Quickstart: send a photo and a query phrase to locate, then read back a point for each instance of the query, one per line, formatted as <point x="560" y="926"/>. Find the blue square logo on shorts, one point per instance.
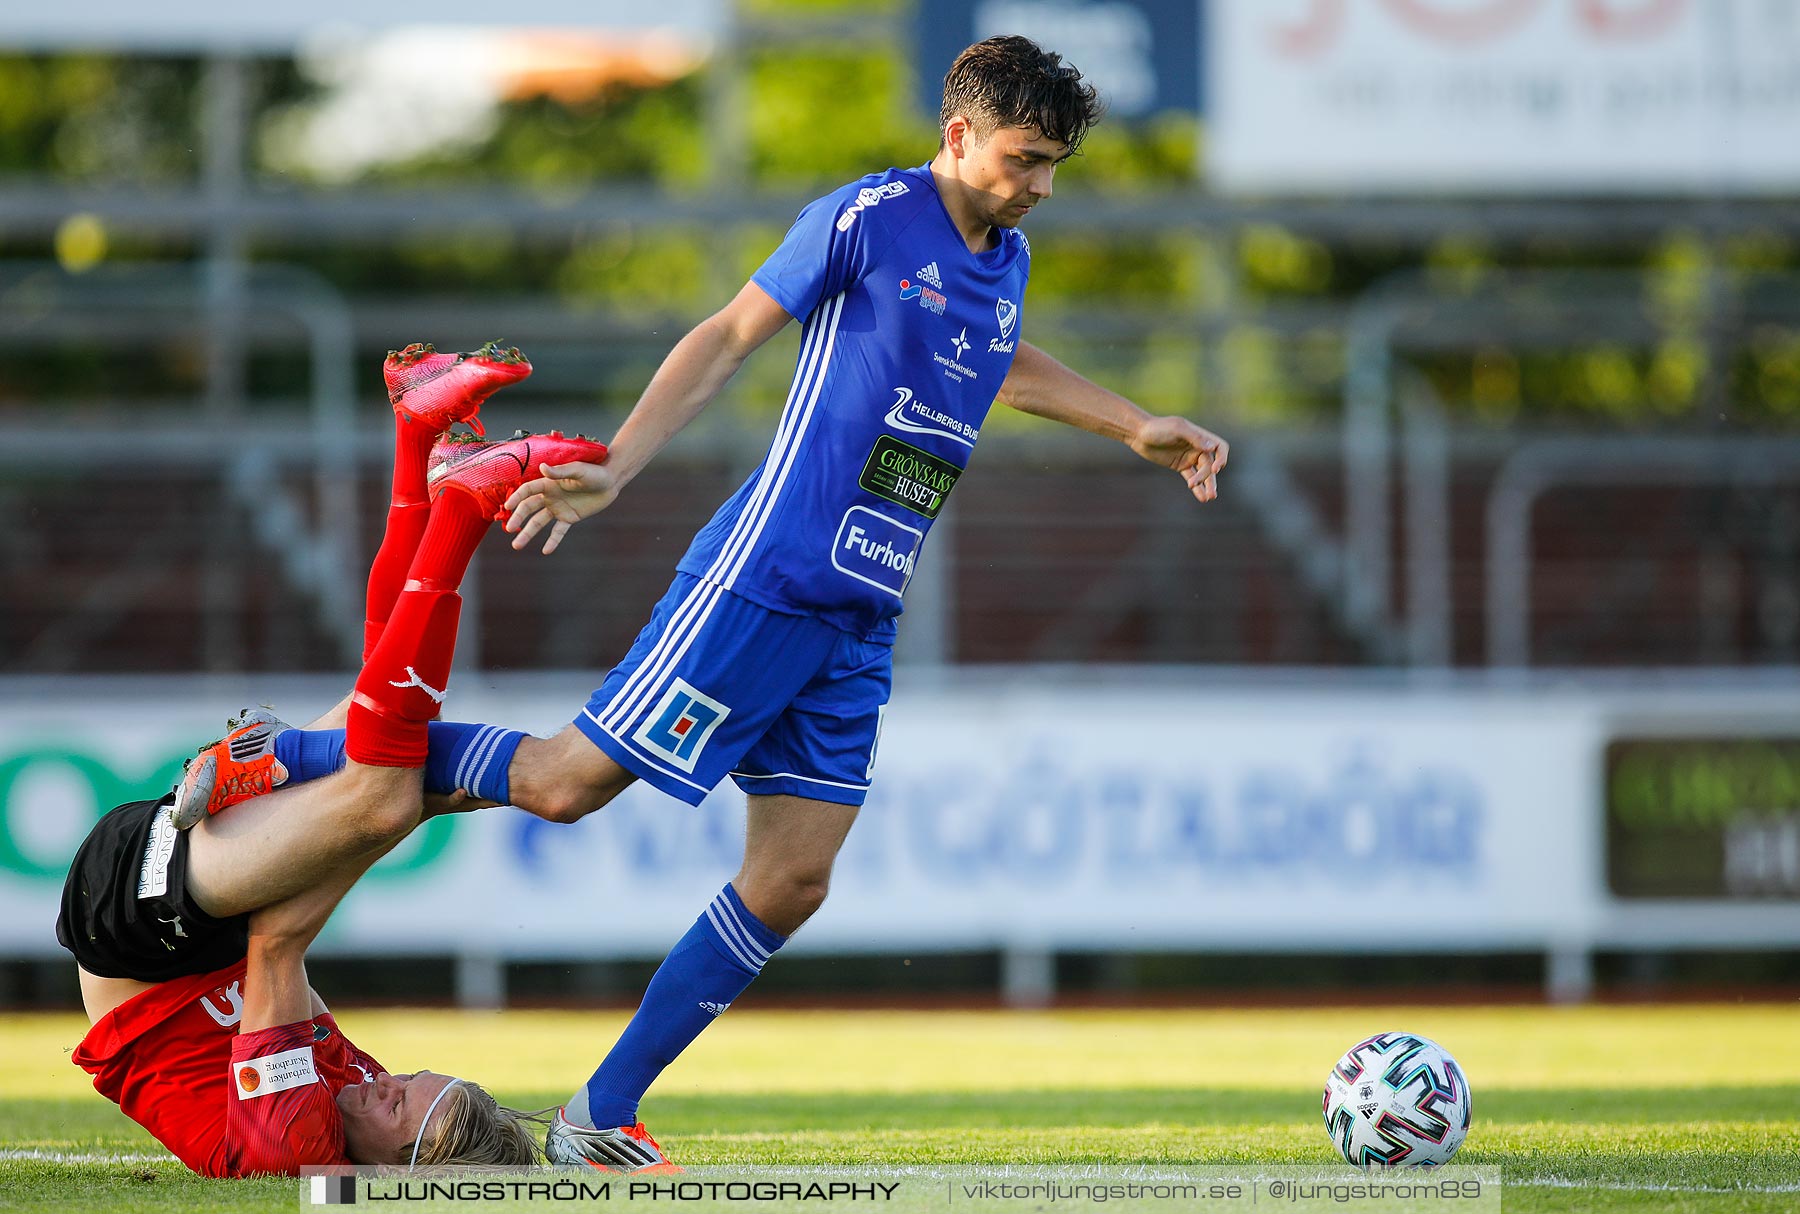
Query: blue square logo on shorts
<point x="678" y="727"/>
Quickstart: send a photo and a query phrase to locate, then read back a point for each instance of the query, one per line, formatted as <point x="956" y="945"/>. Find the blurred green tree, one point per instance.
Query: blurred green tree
<point x="1197" y="310"/>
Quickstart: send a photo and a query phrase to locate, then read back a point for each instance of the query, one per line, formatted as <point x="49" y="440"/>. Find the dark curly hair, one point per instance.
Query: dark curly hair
<point x="1012" y="81"/>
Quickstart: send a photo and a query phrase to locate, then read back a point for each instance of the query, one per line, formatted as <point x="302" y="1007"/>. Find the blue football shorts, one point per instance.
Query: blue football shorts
<point x="716" y="685"/>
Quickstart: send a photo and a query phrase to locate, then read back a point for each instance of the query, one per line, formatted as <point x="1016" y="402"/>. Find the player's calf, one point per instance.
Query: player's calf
<point x="377" y="806"/>
<point x="264" y="850"/>
<point x="789" y="849"/>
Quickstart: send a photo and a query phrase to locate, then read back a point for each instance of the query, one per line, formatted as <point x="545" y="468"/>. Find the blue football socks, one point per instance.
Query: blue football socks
<point x="708" y="968"/>
<point x="309" y="753"/>
<point x="472" y="757"/>
<point x="475" y="758"/>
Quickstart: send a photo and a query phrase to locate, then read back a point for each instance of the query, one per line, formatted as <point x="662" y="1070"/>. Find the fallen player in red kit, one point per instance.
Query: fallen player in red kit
<point x="191" y="942"/>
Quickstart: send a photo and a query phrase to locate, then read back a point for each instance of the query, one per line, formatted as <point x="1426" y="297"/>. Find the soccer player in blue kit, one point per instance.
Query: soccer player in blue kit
<point x="770" y="657"/>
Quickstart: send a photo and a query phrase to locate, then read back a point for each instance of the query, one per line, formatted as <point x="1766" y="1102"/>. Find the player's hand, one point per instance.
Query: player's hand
<point x="439" y="803"/>
<point x="562" y="497"/>
<point x="459" y="802"/>
<point x="1177" y="443"/>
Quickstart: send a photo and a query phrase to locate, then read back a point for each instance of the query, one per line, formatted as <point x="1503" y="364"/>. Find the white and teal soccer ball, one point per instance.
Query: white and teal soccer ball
<point x="1397" y="1100"/>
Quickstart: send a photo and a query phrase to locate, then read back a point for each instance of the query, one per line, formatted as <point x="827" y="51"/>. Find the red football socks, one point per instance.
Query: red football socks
<point x="408" y="510"/>
<point x="404" y="679"/>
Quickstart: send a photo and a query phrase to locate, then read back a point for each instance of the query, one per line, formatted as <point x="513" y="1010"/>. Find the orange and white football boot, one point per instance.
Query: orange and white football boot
<point x="237" y="767"/>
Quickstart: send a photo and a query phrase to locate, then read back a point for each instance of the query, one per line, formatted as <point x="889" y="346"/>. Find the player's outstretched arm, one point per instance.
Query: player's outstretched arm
<point x="276" y="991"/>
<point x="1039" y="385"/>
<point x="281" y="1117"/>
<point x="690" y="377"/>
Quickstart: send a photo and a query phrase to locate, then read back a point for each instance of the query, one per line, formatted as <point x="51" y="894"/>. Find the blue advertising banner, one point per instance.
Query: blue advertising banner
<point x="1143" y="55"/>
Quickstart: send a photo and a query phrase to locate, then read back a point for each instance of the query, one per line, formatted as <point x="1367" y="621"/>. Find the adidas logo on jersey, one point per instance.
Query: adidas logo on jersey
<point x="717" y="1009"/>
<point x="930" y="274"/>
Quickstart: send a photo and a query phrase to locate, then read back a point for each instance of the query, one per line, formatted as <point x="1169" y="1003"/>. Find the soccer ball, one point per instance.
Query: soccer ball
<point x="1397" y="1100"/>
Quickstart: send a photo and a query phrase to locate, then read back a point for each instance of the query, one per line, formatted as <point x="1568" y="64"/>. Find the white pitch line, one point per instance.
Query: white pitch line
<point x="1537" y="1182"/>
<point x="83" y="1157"/>
<point x="1616" y="1186"/>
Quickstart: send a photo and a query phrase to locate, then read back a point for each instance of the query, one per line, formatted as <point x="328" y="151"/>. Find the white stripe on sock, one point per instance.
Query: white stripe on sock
<point x="736" y="930"/>
<point x="737" y="921"/>
<point x="489" y="750"/>
<point x="725" y="936"/>
<point x="460" y="779"/>
<point x="467" y="762"/>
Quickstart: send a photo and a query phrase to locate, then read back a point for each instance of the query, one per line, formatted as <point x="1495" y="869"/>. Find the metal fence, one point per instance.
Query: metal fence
<point x="170" y="535"/>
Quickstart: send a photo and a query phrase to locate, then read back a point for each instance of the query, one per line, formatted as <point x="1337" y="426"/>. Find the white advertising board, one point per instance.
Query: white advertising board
<point x="1014" y="813"/>
<point x="1503" y="96"/>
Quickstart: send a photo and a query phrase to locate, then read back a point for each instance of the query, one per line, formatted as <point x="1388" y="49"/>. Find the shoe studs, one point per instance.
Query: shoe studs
<point x="417" y="352"/>
<point x="493" y="351"/>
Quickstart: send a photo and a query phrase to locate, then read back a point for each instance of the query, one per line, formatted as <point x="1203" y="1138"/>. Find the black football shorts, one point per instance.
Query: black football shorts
<point x="126" y="912"/>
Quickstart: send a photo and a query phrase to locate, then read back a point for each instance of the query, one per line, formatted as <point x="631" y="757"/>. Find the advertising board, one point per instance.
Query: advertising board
<point x="1503" y="96"/>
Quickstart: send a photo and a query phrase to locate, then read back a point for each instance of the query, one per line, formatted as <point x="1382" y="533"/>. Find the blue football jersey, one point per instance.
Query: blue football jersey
<point x="907" y="337"/>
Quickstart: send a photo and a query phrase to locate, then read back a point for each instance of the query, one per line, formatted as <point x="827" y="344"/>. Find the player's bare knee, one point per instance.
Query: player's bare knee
<point x="567" y="796"/>
<point x="565" y="805"/>
<point x="783" y="898"/>
<point x="564" y="778"/>
<point x="806" y="894"/>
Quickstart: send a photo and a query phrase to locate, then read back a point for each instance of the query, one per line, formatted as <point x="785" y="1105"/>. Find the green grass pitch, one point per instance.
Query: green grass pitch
<point x="1684" y="1108"/>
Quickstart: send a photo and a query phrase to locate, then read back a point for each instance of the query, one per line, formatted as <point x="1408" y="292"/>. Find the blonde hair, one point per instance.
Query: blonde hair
<point x="477" y="1130"/>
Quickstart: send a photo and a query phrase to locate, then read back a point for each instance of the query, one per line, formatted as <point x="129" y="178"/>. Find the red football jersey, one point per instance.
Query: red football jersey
<point x="225" y="1104"/>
